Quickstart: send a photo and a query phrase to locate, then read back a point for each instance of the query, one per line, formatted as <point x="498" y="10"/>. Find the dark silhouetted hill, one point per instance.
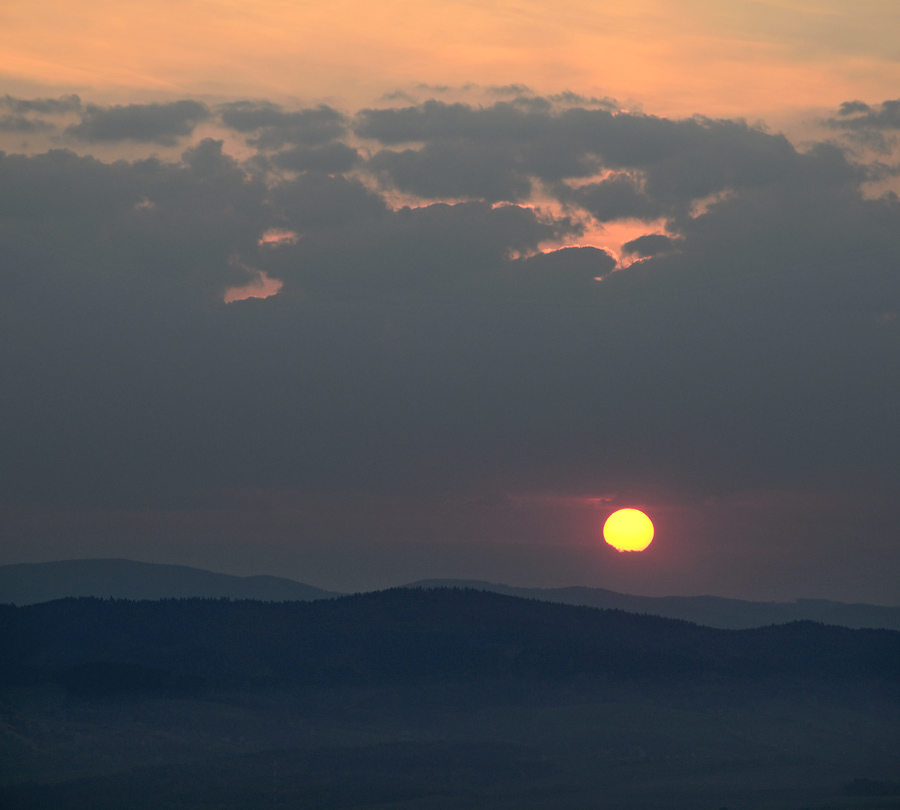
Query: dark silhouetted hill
<point x="712" y="611"/>
<point x="436" y="698"/>
<point x="404" y="636"/>
<point x="29" y="583"/>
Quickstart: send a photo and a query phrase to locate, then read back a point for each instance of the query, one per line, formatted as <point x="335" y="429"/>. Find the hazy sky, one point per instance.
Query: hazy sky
<point x="366" y="293"/>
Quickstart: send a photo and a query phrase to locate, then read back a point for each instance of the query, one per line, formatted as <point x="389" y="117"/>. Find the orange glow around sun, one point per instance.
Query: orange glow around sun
<point x="628" y="530"/>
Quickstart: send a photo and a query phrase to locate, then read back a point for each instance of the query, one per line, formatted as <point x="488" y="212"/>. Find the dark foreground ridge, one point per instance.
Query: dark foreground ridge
<point x="436" y="698"/>
<point x="404" y="635"/>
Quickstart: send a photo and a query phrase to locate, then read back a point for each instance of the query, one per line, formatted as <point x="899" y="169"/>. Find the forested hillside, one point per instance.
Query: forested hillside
<point x="404" y="635"/>
<point x="439" y="698"/>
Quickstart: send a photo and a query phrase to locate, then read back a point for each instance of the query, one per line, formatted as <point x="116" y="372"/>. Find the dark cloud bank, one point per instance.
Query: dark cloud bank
<point x="416" y="352"/>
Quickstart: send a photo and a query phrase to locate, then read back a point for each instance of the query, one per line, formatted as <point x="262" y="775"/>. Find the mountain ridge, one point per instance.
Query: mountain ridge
<point x="711" y="611"/>
<point x="404" y="636"/>
<point x="32" y="583"/>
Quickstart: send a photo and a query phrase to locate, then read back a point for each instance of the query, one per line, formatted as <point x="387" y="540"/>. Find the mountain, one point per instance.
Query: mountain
<point x="711" y="611"/>
<point x="402" y="636"/>
<point x="30" y="583"/>
<point x="436" y="698"/>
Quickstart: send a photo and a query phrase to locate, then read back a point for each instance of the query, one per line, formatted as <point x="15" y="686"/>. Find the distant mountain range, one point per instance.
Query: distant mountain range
<point x="712" y="611"/>
<point x="31" y="583"/>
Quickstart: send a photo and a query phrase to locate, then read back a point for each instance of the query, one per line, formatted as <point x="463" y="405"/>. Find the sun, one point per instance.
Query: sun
<point x="628" y="530"/>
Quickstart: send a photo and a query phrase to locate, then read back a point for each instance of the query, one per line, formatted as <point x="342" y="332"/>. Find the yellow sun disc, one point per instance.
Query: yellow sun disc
<point x="628" y="530"/>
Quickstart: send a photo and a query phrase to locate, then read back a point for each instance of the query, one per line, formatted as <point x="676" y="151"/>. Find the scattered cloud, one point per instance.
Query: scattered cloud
<point x="161" y="124"/>
<point x="26" y="116"/>
<point x="272" y="127"/>
<point x="618" y="196"/>
<point x="510" y="90"/>
<point x="496" y="152"/>
<point x="856" y="115"/>
<point x="46" y="106"/>
<point x="652" y="244"/>
<point x="454" y="169"/>
<point x="24" y="125"/>
<point x="332" y="158"/>
<point x="261" y="286"/>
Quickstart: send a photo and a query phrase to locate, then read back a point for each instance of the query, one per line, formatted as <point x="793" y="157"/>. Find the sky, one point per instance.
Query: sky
<point x="361" y="294"/>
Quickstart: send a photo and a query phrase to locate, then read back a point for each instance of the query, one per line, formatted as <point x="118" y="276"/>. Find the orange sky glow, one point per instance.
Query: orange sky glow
<point x="756" y="58"/>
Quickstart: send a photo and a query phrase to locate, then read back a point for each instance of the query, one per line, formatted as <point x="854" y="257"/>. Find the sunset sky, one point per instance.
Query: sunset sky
<point x="367" y="293"/>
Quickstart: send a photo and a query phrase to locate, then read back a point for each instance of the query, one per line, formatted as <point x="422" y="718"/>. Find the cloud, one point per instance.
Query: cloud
<point x="143" y="225"/>
<point x="273" y="127"/>
<point x="316" y="202"/>
<point x="853" y="107"/>
<point x="444" y="345"/>
<point x="438" y="120"/>
<point x="496" y="152"/>
<point x="453" y="170"/>
<point x="19" y="123"/>
<point x="22" y="120"/>
<point x="332" y="158"/>
<point x="560" y="273"/>
<point x="510" y="90"/>
<point x="47" y="106"/>
<point x="398" y="95"/>
<point x="162" y="124"/>
<point x="856" y="115"/>
<point x="569" y="98"/>
<point x="653" y="244"/>
<point x="619" y="196"/>
<point x="352" y="246"/>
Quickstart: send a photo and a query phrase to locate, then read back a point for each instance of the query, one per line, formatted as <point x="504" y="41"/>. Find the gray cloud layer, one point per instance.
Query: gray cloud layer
<point x="438" y="346"/>
<point x="859" y="115"/>
<point x="496" y="153"/>
<point x="24" y="125"/>
<point x="46" y="106"/>
<point x="144" y="123"/>
<point x="25" y="116"/>
<point x="272" y="128"/>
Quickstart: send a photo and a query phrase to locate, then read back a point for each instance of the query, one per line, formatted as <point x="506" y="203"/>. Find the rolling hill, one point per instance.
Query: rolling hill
<point x="711" y="611"/>
<point x="430" y="698"/>
<point x="30" y="583"/>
